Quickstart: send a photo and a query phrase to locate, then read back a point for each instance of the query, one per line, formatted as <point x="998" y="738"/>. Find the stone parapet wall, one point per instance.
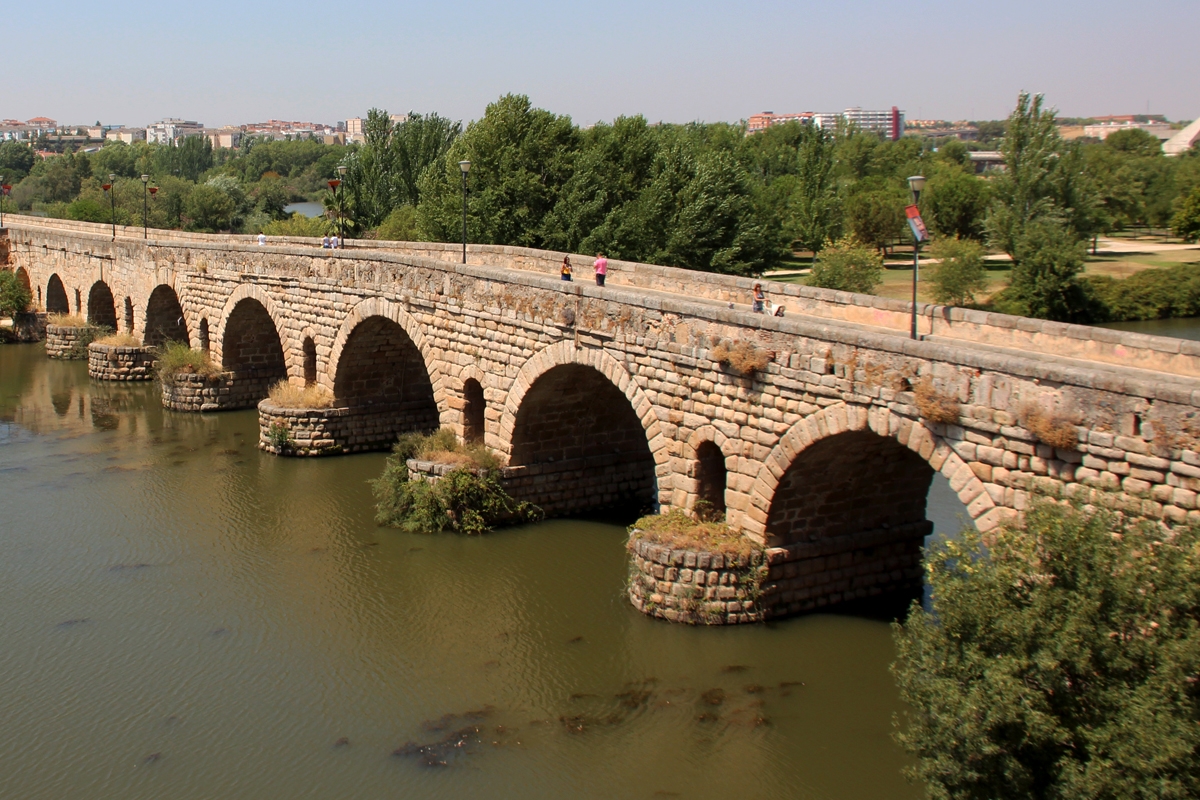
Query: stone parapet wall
<point x="695" y="586"/>
<point x="110" y="363"/>
<point x="68" y="342"/>
<point x="331" y="431"/>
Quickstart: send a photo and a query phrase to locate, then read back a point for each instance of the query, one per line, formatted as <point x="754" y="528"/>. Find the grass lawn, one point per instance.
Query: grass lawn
<point x="1122" y="265"/>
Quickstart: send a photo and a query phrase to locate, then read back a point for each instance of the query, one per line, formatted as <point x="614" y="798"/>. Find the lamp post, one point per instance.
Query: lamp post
<point x="915" y="184"/>
<point x="3" y="193"/>
<point x="465" y="166"/>
<point x="145" y="204"/>
<point x="111" y="188"/>
<point x="333" y="187"/>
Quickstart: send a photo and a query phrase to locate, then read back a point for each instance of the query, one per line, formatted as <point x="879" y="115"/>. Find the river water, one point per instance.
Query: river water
<point x="183" y="616"/>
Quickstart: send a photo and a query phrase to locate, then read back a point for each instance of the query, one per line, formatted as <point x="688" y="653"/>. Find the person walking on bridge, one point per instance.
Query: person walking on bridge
<point x="566" y="268"/>
<point x="601" y="267"/>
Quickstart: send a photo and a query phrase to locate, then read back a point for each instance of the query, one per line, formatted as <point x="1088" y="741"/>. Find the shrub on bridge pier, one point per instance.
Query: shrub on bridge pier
<point x="179" y="359"/>
<point x="469" y="497"/>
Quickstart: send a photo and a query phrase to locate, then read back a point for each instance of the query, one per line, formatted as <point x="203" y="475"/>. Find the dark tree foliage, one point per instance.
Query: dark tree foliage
<point x="1059" y="659"/>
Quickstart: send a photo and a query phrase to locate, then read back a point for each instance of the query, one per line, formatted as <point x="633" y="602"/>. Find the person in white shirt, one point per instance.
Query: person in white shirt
<point x="262" y="239"/>
<point x="335" y="242"/>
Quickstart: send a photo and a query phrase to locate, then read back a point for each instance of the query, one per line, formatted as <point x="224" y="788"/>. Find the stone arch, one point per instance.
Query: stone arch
<point x="250" y="342"/>
<point x="382" y="379"/>
<point x="380" y="307"/>
<point x="128" y="315"/>
<point x="164" y="320"/>
<point x="577" y="416"/>
<point x="309" y="353"/>
<point x="258" y="294"/>
<point x="916" y="436"/>
<point x="102" y="306"/>
<point x="78" y="302"/>
<point x="23" y="279"/>
<point x="474" y="411"/>
<point x="56" y="296"/>
<point x="708" y="456"/>
<point x="841" y="499"/>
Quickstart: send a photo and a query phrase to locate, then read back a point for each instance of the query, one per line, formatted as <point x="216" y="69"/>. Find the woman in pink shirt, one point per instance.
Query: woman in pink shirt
<point x="601" y="267"/>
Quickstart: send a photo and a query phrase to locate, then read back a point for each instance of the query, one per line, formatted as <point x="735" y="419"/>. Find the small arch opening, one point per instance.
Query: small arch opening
<point x="56" y="297"/>
<point x="102" y="307"/>
<point x="78" y="302"/>
<point x="204" y="334"/>
<point x="474" y="408"/>
<point x="310" y="361"/>
<point x="128" y="315"/>
<point x="711" y="480"/>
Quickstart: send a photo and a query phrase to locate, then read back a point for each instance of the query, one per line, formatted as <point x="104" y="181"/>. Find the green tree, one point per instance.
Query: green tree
<point x="1134" y="142"/>
<point x="116" y="158"/>
<point x="1186" y="222"/>
<point x="208" y="209"/>
<point x="400" y="226"/>
<point x="813" y="213"/>
<point x="520" y="156"/>
<point x="16" y="161"/>
<point x="298" y="225"/>
<point x="848" y="266"/>
<point x="1044" y="178"/>
<point x="14" y="297"/>
<point x="875" y="214"/>
<point x="959" y="274"/>
<point x="1058" y="660"/>
<point x="955" y="202"/>
<point x="1048" y="259"/>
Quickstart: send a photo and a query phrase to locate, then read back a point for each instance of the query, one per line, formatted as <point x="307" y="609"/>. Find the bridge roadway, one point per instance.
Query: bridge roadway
<point x="600" y="396"/>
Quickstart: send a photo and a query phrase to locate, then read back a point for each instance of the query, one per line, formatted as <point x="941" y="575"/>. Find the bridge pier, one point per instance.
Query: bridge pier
<point x="333" y="431"/>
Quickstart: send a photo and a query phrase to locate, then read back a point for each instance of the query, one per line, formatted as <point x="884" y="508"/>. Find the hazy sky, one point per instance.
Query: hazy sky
<point x="223" y="63"/>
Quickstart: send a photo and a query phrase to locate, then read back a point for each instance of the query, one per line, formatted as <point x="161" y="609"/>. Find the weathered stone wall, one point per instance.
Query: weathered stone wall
<point x="1131" y="403"/>
<point x="223" y="392"/>
<point x="110" y="363"/>
<point x="695" y="586"/>
<point x="68" y="342"/>
<point x="332" y="431"/>
<point x="29" y="326"/>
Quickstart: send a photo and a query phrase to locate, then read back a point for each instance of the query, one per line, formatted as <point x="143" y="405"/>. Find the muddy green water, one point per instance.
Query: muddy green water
<point x="182" y="616"/>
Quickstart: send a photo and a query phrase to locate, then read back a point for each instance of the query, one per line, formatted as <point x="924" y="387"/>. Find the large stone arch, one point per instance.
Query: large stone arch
<point x="57" y="301"/>
<point x="250" y="291"/>
<point x="165" y="319"/>
<point x="840" y="502"/>
<point x="102" y="306"/>
<point x="545" y="393"/>
<point x="23" y="279"/>
<point x="915" y="435"/>
<point x="388" y="309"/>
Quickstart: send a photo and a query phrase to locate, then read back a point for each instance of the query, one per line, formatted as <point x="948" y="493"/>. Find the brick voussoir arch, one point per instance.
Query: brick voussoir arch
<point x="843" y="417"/>
<point x="292" y="356"/>
<point x="564" y="353"/>
<point x="382" y="307"/>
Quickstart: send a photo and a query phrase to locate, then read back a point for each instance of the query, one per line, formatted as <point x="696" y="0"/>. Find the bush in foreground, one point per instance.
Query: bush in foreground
<point x="1059" y="660"/>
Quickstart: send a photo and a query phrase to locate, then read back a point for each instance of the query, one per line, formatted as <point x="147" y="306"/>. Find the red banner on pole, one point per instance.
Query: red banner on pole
<point x="916" y="223"/>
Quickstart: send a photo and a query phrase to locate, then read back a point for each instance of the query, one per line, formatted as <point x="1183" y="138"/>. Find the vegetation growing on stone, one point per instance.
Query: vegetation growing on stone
<point x="1058" y="659"/>
<point x="676" y="529"/>
<point x="14" y="297"/>
<point x="119" y="340"/>
<point x="66" y="320"/>
<point x="179" y="359"/>
<point x="468" y="499"/>
<point x="934" y="404"/>
<point x="1049" y="428"/>
<point x="744" y="357"/>
<point x="285" y="394"/>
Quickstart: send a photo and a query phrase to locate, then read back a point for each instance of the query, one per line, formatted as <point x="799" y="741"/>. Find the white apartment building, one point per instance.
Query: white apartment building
<point x="126" y="135"/>
<point x="169" y="131"/>
<point x="889" y="123"/>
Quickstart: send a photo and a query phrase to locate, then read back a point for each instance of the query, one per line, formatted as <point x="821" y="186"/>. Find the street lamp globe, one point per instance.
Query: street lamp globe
<point x="145" y="179"/>
<point x="112" y="177"/>
<point x="915" y="184"/>
<point x="341" y="170"/>
<point x="465" y="166"/>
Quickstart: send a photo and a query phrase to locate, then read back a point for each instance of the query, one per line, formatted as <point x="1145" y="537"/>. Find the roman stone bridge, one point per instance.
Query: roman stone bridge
<point x="818" y="432"/>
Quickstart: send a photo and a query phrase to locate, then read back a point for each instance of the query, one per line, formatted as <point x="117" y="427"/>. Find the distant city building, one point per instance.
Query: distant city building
<point x="354" y="126"/>
<point x="1102" y="130"/>
<point x="889" y="124"/>
<point x="126" y="135"/>
<point x="760" y="122"/>
<point x="227" y="137"/>
<point x="171" y="130"/>
<point x="15" y="129"/>
<point x="42" y="123"/>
